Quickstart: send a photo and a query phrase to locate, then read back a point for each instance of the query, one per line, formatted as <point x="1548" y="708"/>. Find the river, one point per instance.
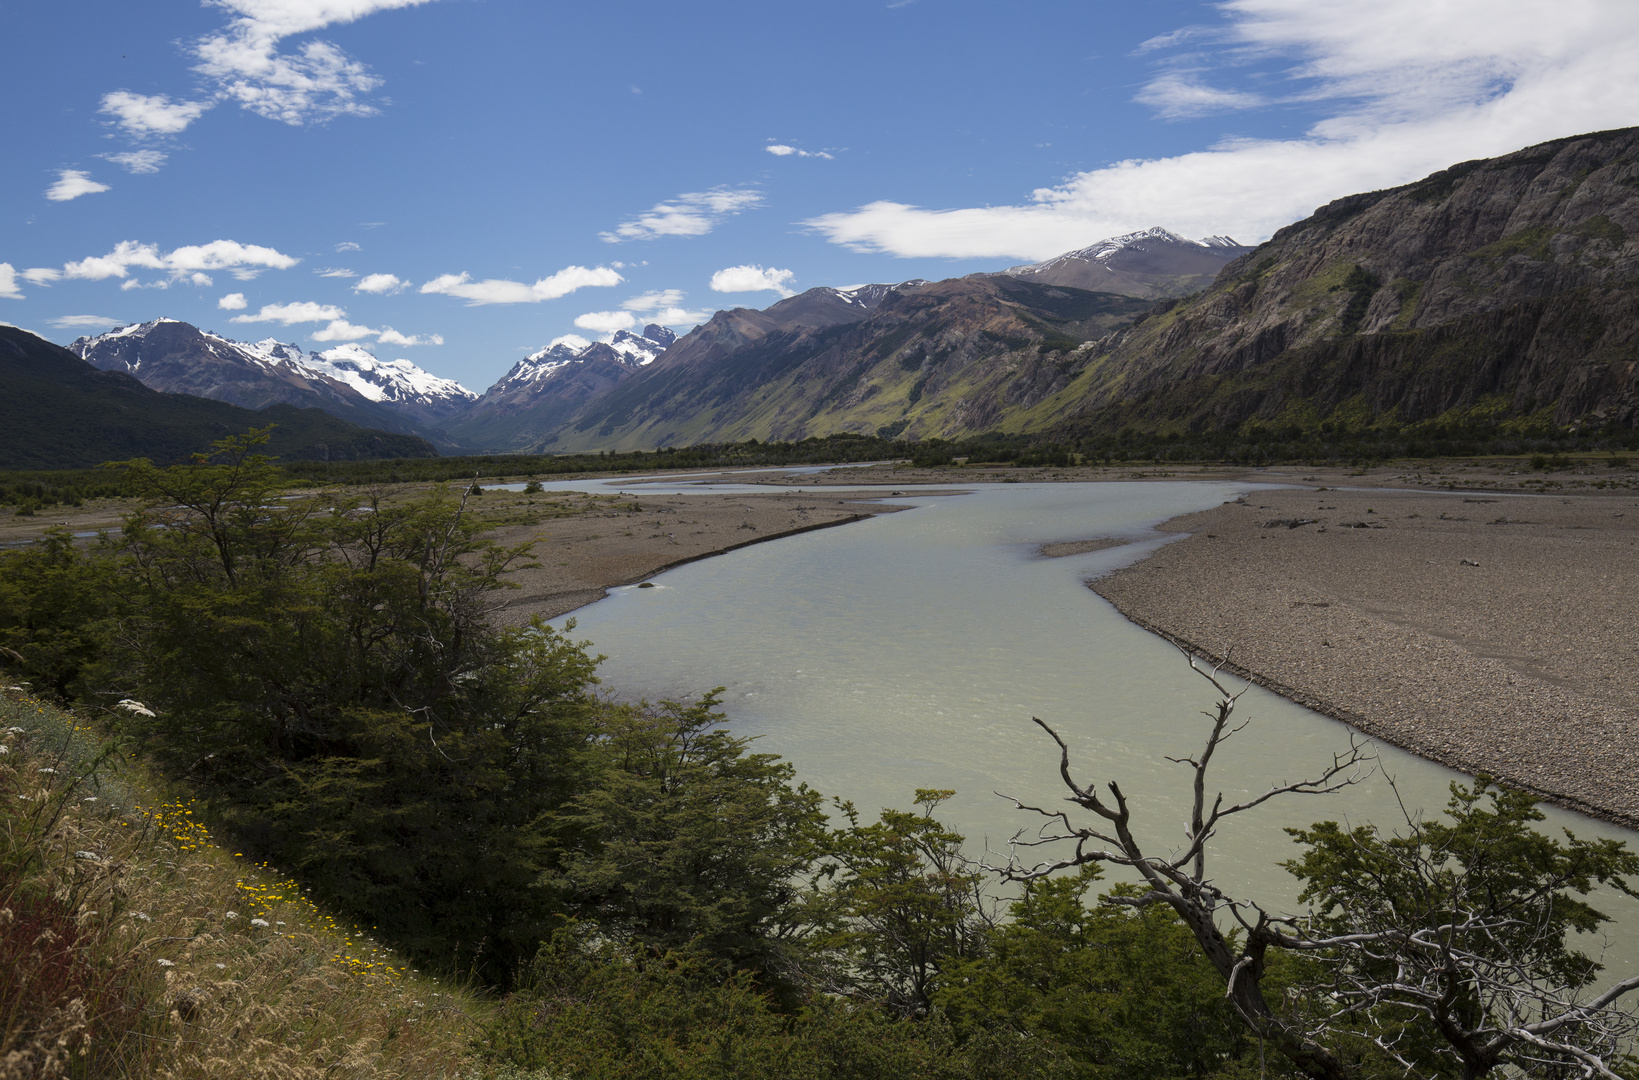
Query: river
<point x="911" y="650"/>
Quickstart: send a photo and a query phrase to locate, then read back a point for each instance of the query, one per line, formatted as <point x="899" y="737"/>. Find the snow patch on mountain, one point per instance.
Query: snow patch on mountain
<point x="1104" y="250"/>
<point x="386" y="380"/>
<point x="634" y="350"/>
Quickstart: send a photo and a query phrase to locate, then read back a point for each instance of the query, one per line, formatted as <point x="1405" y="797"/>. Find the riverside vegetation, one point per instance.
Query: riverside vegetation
<point x="627" y="890"/>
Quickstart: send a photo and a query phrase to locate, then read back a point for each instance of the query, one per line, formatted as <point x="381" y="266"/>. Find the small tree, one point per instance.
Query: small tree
<point x="1444" y="949"/>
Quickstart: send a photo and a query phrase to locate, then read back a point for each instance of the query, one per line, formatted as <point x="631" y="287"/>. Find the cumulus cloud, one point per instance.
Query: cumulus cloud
<point x="8" y="282"/>
<point x="76" y="322"/>
<point x="782" y="150"/>
<point x="388" y="336"/>
<point x="336" y="327"/>
<point x="234" y="301"/>
<point x="750" y="278"/>
<point x="1407" y="88"/>
<point x="381" y="284"/>
<point x="315" y="81"/>
<point x="606" y="322"/>
<point x="71" y="184"/>
<point x="663" y="306"/>
<point x="189" y="263"/>
<point x="694" y="213"/>
<point x="341" y="330"/>
<point x="142" y="115"/>
<point x="138" y="161"/>
<point x="501" y="291"/>
<point x="290" y="314"/>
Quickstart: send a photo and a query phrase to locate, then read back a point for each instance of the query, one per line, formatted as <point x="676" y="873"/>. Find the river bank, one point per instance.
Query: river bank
<point x="1492" y="634"/>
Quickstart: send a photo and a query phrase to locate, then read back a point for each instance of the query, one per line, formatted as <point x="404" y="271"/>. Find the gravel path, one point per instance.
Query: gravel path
<point x="1494" y="634"/>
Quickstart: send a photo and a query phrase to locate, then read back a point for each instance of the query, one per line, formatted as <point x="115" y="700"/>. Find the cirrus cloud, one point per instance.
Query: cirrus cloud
<point x="75" y="322"/>
<point x="694" y="213"/>
<point x="782" y="150"/>
<point x="501" y="291"/>
<point x="1477" y="78"/>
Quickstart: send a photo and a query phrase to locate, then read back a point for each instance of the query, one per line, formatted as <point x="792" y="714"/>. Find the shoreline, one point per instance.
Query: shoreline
<point x="1437" y="623"/>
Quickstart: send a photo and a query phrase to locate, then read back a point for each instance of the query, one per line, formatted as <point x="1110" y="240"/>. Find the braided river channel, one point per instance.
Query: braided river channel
<point x="911" y="650"/>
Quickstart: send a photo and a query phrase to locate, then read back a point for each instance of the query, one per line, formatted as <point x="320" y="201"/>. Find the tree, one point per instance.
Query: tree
<point x="1444" y="948"/>
<point x="685" y="840"/>
<point x="904" y="904"/>
<point x="1123" y="993"/>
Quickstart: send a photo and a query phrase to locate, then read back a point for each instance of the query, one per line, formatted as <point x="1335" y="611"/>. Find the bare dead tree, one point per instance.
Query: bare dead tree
<point x="1443" y="947"/>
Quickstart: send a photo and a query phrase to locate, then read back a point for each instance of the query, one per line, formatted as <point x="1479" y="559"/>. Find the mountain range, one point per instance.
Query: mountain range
<point x="1499" y="291"/>
<point x="59" y="412"/>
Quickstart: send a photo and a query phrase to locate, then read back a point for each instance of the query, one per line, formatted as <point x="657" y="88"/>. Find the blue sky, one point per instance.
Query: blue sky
<point x="461" y="181"/>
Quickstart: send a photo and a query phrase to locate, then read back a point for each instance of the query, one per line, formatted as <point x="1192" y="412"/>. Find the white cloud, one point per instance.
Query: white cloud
<point x="574" y="341"/>
<point x="71" y="184"/>
<point x="500" y="291"/>
<point x="380" y="284"/>
<point x="606" y="322"/>
<point x="388" y="336"/>
<point x="653" y="301"/>
<point x="243" y="261"/>
<point x="782" y="150"/>
<point x="1409" y="87"/>
<point x="676" y="316"/>
<point x="336" y="272"/>
<point x="751" y="279"/>
<point x="8" y="282"/>
<point x="75" y="322"/>
<point x="138" y="161"/>
<point x="289" y="314"/>
<point x="314" y="82"/>
<point x="141" y="115"/>
<point x="694" y="213"/>
<point x="339" y="330"/>
<point x="234" y="301"/>
<point x="1182" y="94"/>
<point x="346" y="245"/>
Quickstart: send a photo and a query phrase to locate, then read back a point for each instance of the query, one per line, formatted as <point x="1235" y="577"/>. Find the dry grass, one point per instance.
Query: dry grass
<point x="133" y="946"/>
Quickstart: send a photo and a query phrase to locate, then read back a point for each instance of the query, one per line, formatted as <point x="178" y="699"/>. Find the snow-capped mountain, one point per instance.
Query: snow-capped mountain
<point x="1153" y="262"/>
<point x="547" y="386"/>
<point x="397" y="383"/>
<point x="349" y="381"/>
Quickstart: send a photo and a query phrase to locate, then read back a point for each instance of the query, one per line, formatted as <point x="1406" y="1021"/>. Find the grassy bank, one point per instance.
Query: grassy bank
<point x="132" y="945"/>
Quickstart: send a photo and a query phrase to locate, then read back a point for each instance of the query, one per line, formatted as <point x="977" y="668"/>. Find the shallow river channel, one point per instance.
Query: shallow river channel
<point x="911" y="650"/>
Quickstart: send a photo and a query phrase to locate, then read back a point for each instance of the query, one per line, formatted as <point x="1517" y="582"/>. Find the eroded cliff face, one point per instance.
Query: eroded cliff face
<point x="1499" y="289"/>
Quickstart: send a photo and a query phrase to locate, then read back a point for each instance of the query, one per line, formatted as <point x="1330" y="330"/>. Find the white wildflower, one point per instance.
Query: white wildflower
<point x="258" y="922"/>
<point x="230" y="915"/>
<point x="5" y="749"/>
<point x="89" y="798"/>
<point x="167" y="963"/>
<point x="221" y="967"/>
<point x="49" y="771"/>
<point x="92" y="855"/>
<point x="134" y="706"/>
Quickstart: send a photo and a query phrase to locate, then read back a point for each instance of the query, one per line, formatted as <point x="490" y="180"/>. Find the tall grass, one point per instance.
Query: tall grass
<point x="132" y="945"/>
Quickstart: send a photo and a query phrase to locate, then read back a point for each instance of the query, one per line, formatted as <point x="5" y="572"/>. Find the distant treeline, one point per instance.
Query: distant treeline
<point x="1541" y="448"/>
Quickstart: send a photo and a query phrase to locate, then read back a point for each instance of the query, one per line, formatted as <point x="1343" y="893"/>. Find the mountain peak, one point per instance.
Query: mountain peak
<point x="1154" y="262"/>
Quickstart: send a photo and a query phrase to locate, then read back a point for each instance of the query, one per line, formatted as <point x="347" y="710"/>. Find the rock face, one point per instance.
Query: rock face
<point x="1153" y="264"/>
<point x="348" y="382"/>
<point x="1501" y="290"/>
<point x="944" y="359"/>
